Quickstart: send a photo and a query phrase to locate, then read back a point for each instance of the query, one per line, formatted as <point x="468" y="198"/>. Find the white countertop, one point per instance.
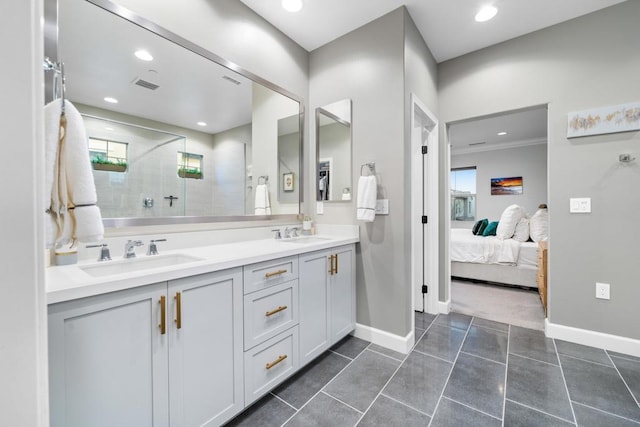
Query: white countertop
<point x="65" y="283"/>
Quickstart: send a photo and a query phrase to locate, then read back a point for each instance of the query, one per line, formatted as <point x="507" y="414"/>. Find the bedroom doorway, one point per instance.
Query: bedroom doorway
<point x="424" y="207"/>
<point x="508" y="147"/>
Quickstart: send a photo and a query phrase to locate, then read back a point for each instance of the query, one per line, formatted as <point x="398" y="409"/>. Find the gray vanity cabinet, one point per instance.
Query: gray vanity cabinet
<point x="168" y="354"/>
<point x="327" y="299"/>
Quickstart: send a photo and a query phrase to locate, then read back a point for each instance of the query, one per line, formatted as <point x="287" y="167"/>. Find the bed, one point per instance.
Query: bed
<point x="490" y="259"/>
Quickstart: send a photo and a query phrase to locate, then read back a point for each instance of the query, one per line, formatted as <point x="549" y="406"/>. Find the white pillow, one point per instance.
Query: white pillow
<point x="522" y="230"/>
<point x="508" y="221"/>
<point x="539" y="225"/>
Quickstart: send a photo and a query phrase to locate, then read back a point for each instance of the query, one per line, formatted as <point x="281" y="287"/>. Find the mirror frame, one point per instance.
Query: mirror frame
<point x="321" y="110"/>
<point x="124" y="13"/>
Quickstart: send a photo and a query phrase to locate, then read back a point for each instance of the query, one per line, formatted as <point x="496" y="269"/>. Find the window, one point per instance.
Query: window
<point x="189" y="165"/>
<point x="108" y="155"/>
<point x="463" y="194"/>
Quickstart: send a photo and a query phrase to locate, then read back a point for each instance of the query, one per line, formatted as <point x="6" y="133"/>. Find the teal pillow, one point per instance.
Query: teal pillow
<point x="491" y="229"/>
<point x="479" y="227"/>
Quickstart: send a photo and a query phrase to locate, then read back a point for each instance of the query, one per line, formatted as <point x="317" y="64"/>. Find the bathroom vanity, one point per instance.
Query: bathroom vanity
<point x="196" y="342"/>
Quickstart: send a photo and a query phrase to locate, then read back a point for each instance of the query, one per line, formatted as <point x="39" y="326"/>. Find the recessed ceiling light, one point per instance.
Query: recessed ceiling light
<point x="292" y="5"/>
<point x="143" y="55"/>
<point x="501" y="133"/>
<point x="486" y="13"/>
<point x="201" y="124"/>
<point x="111" y="100"/>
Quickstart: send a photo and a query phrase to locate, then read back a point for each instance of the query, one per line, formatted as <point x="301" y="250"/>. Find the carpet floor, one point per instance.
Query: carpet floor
<point x="498" y="303"/>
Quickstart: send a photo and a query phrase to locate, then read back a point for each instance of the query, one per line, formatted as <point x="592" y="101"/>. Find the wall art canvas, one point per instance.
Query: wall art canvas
<point x="598" y="121"/>
<point x="506" y="186"/>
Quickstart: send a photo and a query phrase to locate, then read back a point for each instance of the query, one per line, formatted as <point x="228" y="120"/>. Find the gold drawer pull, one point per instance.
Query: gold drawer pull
<point x="275" y="362"/>
<point x="274" y="273"/>
<point x="277" y="310"/>
<point x="163" y="315"/>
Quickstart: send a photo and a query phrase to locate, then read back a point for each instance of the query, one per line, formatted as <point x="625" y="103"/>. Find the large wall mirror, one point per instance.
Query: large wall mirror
<point x="174" y="134"/>
<point x="333" y="152"/>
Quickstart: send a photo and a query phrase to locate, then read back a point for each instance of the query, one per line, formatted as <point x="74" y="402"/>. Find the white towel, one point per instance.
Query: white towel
<point x="69" y="179"/>
<point x="367" y="194"/>
<point x="262" y="205"/>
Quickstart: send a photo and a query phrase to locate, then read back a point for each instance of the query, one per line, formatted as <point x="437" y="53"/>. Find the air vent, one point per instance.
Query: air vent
<point x="146" y="84"/>
<point x="477" y="143"/>
<point x="232" y="80"/>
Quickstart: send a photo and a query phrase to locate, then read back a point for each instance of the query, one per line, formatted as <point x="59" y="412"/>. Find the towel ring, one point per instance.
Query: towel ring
<point x="371" y="166"/>
<point x="263" y="179"/>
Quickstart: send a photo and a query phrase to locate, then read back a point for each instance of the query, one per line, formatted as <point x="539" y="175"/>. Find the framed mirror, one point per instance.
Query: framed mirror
<point x="333" y="152"/>
<point x="177" y="134"/>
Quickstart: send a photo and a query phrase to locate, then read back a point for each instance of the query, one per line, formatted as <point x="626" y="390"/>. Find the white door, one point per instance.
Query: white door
<point x="424" y="203"/>
<point x="341" y="295"/>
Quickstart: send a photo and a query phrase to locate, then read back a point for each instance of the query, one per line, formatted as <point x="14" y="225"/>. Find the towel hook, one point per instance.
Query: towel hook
<point x="59" y="79"/>
<point x="371" y="166"/>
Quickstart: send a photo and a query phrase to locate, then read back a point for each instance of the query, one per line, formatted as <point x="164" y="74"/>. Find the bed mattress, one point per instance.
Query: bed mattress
<point x="465" y="247"/>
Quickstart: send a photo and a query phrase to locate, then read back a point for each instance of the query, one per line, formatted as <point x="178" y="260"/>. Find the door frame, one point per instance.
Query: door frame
<point x="424" y="201"/>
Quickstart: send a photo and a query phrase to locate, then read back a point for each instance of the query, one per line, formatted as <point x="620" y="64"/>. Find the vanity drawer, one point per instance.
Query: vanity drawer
<point x="269" y="273"/>
<point x="269" y="312"/>
<point x="270" y="363"/>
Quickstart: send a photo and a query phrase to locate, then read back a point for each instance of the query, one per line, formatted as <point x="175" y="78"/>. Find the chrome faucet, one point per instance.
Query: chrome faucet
<point x="290" y="232"/>
<point x="104" y="251"/>
<point x="130" y="248"/>
<point x="153" y="250"/>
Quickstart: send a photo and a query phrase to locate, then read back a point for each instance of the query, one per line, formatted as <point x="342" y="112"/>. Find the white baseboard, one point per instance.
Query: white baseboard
<point x="385" y="339"/>
<point x="592" y="338"/>
<point x="444" y="307"/>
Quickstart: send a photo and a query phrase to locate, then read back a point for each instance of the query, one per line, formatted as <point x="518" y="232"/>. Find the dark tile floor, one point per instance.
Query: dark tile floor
<point x="463" y="371"/>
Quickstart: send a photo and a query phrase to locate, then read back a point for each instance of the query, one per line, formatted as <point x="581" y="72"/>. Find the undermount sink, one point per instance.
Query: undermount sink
<point x="305" y="239"/>
<point x="108" y="268"/>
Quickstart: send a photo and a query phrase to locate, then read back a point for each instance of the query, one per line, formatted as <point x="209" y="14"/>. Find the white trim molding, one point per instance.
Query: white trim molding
<point x="592" y="338"/>
<point x="385" y="339"/>
<point x="444" y="307"/>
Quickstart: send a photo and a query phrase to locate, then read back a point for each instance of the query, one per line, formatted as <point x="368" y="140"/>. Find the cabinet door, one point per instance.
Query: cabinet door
<point x="108" y="360"/>
<point x="205" y="349"/>
<point x="342" y="317"/>
<point x="313" y="309"/>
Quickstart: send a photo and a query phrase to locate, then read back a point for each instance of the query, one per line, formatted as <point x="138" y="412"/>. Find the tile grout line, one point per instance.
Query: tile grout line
<point x="338" y="400"/>
<point x="383" y="387"/>
<point x="453" y="365"/>
<point x="622" y="378"/>
<point x="585" y="360"/>
<point x="404" y="404"/>
<point x="490" y="328"/>
<point x="472" y="408"/>
<point x="623" y="356"/>
<point x="538" y="410"/>
<point x="385" y="355"/>
<point x="340" y="354"/>
<point x="536" y="360"/>
<point x="283" y="401"/>
<point x="330" y="381"/>
<point x="431" y="355"/>
<point x="506" y="373"/>
<point x="564" y="380"/>
<point x="483" y="358"/>
<point x="607" y="412"/>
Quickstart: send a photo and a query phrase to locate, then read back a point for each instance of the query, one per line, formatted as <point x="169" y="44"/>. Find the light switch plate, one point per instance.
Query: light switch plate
<point x="580" y="205"/>
<point x="382" y="207"/>
<point x="320" y="208"/>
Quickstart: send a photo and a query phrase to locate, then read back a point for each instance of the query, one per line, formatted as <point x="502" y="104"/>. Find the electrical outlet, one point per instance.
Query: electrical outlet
<point x="602" y="291"/>
<point x="320" y="208"/>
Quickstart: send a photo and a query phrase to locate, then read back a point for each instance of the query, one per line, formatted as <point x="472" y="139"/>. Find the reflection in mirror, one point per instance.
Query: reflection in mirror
<point x="172" y="132"/>
<point x="333" y="136"/>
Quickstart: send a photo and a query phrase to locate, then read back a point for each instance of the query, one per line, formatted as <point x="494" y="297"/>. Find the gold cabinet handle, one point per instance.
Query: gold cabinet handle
<point x="336" y="269"/>
<point x="163" y="315"/>
<point x="275" y="362"/>
<point x="178" y="298"/>
<point x="331" y="265"/>
<point x="277" y="310"/>
<point x="274" y="273"/>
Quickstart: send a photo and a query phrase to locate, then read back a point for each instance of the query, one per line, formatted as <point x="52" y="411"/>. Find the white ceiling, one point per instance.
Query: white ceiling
<point x="523" y="127"/>
<point x="447" y="26"/>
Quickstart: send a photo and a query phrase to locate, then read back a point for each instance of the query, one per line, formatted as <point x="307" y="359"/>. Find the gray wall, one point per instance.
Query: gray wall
<point x="529" y="162"/>
<point x="368" y="66"/>
<point x="588" y="62"/>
